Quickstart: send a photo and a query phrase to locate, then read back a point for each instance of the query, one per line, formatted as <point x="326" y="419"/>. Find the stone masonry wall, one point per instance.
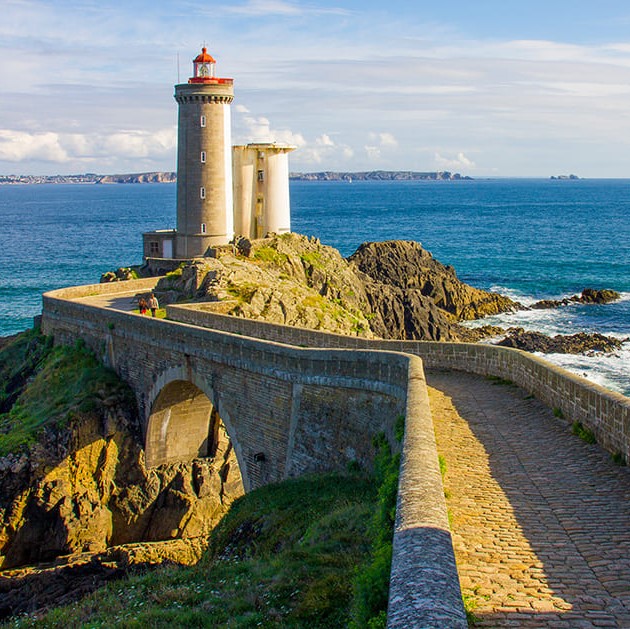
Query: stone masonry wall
<point x="265" y="393"/>
<point x="605" y="412"/>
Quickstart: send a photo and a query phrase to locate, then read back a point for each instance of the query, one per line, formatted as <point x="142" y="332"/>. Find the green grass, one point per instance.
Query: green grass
<point x="312" y="259"/>
<point x="470" y="604"/>
<point x="371" y="587"/>
<point x="63" y="382"/>
<point x="618" y="458"/>
<point x="583" y="433"/>
<point x="500" y="381"/>
<point x="20" y="358"/>
<point x="557" y="412"/>
<point x="243" y="292"/>
<point x="270" y="255"/>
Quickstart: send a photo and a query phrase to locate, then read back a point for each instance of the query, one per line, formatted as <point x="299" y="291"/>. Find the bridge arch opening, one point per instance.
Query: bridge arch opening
<point x="184" y="425"/>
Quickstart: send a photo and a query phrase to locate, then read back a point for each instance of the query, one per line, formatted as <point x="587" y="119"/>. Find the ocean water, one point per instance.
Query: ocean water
<point x="529" y="239"/>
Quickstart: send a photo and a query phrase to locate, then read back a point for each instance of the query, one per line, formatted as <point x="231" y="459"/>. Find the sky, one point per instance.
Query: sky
<point x="486" y="88"/>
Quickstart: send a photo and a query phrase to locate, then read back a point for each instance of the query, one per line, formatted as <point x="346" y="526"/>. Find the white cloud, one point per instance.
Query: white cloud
<point x="252" y="128"/>
<point x="379" y="142"/>
<point x="20" y="146"/>
<point x="266" y="7"/>
<point x="388" y="140"/>
<point x="460" y="162"/>
<point x="324" y="140"/>
<point x="373" y="152"/>
<point x="324" y="150"/>
<point x="17" y="146"/>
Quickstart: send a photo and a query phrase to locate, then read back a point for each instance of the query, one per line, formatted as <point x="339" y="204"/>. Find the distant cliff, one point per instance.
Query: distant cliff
<point x="378" y="175"/>
<point x="157" y="177"/>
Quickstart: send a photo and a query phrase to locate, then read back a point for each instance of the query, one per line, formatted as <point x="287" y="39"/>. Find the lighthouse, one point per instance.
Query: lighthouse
<point x="222" y="191"/>
<point x="204" y="160"/>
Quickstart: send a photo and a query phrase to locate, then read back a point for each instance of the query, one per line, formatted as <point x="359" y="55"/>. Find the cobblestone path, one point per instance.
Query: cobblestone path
<point x="540" y="519"/>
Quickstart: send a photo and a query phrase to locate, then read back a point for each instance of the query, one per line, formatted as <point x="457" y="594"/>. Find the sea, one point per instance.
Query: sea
<point x="530" y="239"/>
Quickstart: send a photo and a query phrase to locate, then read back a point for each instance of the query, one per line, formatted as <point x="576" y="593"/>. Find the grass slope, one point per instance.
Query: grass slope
<point x="42" y="386"/>
<point x="285" y="555"/>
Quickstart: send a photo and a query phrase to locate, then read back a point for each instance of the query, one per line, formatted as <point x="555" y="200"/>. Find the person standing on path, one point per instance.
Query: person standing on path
<point x="153" y="304"/>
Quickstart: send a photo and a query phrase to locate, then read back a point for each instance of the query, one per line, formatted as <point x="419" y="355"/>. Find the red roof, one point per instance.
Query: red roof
<point x="204" y="57"/>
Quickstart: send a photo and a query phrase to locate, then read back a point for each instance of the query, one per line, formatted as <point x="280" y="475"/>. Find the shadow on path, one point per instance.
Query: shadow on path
<point x="540" y="519"/>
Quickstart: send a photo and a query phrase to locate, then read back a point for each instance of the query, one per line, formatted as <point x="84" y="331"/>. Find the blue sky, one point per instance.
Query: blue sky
<point x="482" y="88"/>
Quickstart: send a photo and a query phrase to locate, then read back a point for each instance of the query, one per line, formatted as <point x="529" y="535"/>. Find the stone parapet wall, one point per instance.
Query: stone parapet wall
<point x="604" y="412"/>
<point x="424" y="588"/>
<point x="107" y="288"/>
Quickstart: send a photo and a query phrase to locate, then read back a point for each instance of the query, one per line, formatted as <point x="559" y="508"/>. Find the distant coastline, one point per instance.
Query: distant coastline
<point x="171" y="177"/>
<point x="378" y="175"/>
<point x="89" y="178"/>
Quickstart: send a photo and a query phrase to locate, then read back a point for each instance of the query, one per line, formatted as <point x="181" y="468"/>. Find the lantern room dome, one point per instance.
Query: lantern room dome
<point x="204" y="57"/>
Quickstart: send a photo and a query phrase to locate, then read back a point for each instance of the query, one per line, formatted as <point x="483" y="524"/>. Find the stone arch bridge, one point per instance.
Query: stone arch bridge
<point x="294" y="401"/>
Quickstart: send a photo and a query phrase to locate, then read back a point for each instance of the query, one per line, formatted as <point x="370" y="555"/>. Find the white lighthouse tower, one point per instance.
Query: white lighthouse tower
<point x="204" y="160"/>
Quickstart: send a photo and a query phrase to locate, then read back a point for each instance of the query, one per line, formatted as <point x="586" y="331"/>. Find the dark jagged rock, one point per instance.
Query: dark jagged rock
<point x="406" y="265"/>
<point x="474" y="335"/>
<point x="604" y="296"/>
<point x="588" y="296"/>
<point x="580" y="343"/>
<point x="406" y="314"/>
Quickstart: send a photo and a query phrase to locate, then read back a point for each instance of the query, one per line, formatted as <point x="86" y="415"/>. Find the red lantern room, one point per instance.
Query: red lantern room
<point x="203" y="65"/>
<point x="203" y="70"/>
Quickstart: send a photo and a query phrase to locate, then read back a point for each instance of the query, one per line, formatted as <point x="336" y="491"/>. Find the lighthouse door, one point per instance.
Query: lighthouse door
<point x="167" y="249"/>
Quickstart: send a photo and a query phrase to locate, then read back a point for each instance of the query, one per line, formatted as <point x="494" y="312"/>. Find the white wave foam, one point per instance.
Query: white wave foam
<point x="514" y="295"/>
<point x="608" y="370"/>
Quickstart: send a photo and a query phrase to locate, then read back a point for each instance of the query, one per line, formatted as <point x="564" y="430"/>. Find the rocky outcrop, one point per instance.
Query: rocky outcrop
<point x="588" y="296"/>
<point x="408" y="266"/>
<point x="392" y="290"/>
<point x="119" y="275"/>
<point x="291" y="280"/>
<point x="32" y="590"/>
<point x="58" y="516"/>
<point x="85" y="487"/>
<point x="581" y="343"/>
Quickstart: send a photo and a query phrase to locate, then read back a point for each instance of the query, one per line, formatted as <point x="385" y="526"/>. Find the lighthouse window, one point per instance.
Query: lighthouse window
<point x="203" y="157"/>
<point x="202" y="121"/>
<point x="261" y="175"/>
<point x="203" y="228"/>
<point x="202" y="192"/>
